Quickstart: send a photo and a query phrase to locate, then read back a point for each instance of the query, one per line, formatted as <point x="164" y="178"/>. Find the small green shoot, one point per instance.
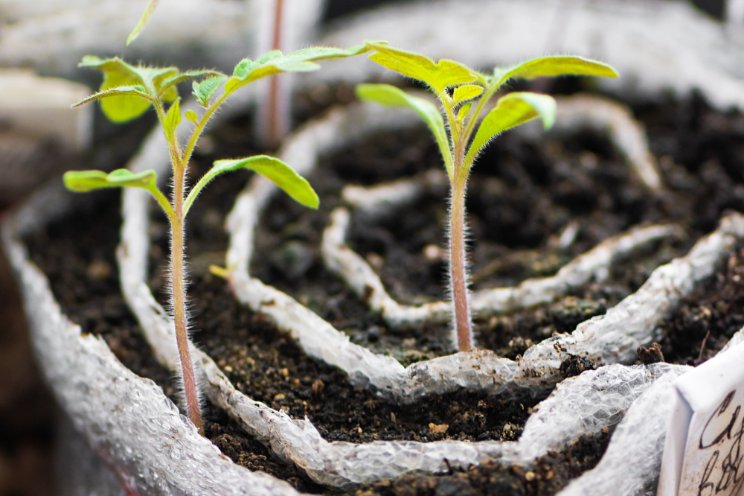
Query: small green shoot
<point x="151" y="5"/>
<point x="220" y="272"/>
<point x="128" y="91"/>
<point x="462" y="132"/>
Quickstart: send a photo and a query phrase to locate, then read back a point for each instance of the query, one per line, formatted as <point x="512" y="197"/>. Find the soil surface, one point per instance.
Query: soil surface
<point x="550" y="474"/>
<point x="524" y="194"/>
<point x="708" y="318"/>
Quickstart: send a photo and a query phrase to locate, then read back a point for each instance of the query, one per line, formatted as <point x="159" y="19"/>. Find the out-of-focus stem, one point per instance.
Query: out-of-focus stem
<point x="274" y="120"/>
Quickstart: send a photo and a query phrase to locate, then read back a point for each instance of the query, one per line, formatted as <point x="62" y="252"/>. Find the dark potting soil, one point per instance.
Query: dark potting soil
<point x="84" y="279"/>
<point x="258" y="359"/>
<point x="549" y="475"/>
<point x="523" y="195"/>
<point x="709" y="317"/>
<point x="268" y="366"/>
<point x="84" y="250"/>
<point x="589" y="185"/>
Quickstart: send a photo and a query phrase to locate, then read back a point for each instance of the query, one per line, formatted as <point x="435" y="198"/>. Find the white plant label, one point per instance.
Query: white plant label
<point x="704" y="454"/>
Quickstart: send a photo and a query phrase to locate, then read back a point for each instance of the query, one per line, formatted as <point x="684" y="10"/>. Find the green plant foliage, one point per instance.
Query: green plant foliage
<point x="276" y="62"/>
<point x="437" y="75"/>
<point x="464" y="111"/>
<point x="91" y="180"/>
<point x="172" y="119"/>
<point x="555" y="65"/>
<point x="192" y="116"/>
<point x="204" y="89"/>
<point x="119" y="91"/>
<point x="389" y="95"/>
<point x="464" y="95"/>
<point x="271" y="168"/>
<point x="186" y="75"/>
<point x="144" y="19"/>
<point x="117" y="74"/>
<point x="512" y="110"/>
<point x="456" y="85"/>
<point x="466" y="92"/>
<point x="128" y="91"/>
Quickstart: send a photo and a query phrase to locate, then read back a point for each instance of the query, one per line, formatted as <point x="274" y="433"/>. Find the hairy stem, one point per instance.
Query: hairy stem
<point x="178" y="289"/>
<point x="475" y="113"/>
<point x="177" y="266"/>
<point x="199" y="128"/>
<point x="458" y="264"/>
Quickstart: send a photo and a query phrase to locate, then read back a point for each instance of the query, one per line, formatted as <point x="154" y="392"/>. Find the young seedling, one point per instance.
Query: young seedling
<point x="127" y="92"/>
<point x="273" y="109"/>
<point x="464" y="95"/>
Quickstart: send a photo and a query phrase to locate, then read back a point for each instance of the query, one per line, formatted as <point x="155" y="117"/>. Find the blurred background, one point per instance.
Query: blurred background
<point x="40" y="136"/>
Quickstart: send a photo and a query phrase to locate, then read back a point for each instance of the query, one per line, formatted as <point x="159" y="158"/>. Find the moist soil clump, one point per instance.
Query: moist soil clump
<point x="589" y="186"/>
<point x="707" y="319"/>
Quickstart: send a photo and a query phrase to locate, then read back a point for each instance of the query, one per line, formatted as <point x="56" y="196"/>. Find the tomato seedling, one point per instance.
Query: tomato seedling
<point x="127" y="92"/>
<point x="461" y="134"/>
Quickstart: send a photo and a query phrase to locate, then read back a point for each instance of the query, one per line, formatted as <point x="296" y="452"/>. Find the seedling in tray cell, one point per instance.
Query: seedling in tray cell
<point x="462" y="131"/>
<point x="128" y="91"/>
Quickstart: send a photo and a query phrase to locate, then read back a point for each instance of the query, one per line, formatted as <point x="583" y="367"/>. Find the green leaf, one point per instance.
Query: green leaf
<point x="556" y="65"/>
<point x="271" y="168"/>
<point x="117" y="73"/>
<point x="389" y="95"/>
<point x="511" y="110"/>
<point x="466" y="92"/>
<point x="119" y="91"/>
<point x="276" y="62"/>
<point x="90" y="180"/>
<point x="437" y="75"/>
<point x="192" y="116"/>
<point x="464" y="110"/>
<point x="172" y="120"/>
<point x="142" y="21"/>
<point x="204" y="89"/>
<point x="318" y="53"/>
<point x="193" y="74"/>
